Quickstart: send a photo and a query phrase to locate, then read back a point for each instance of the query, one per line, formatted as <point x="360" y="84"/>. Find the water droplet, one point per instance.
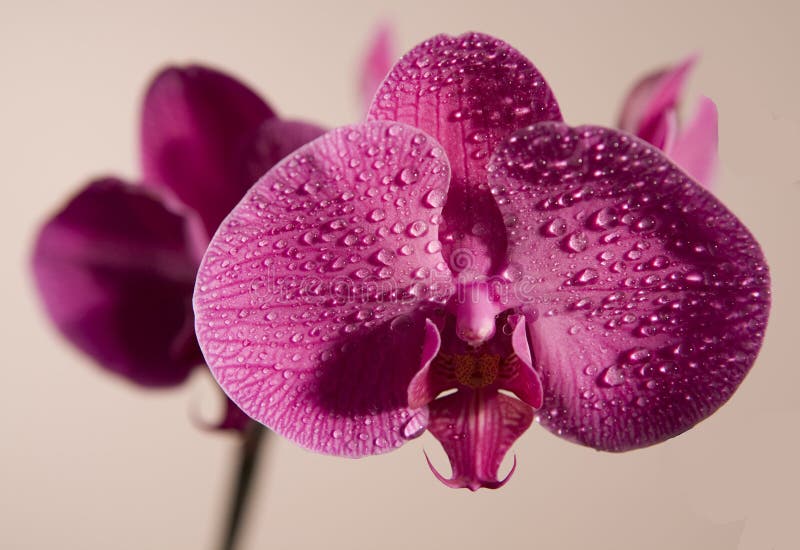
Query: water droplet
<point x="376" y="215"/>
<point x="435" y="198"/>
<point x="417" y="228"/>
<point x="408" y="176"/>
<point x="585" y="276"/>
<point x="602" y="219"/>
<point x="385" y="256"/>
<point x="577" y="242"/>
<point x="555" y="228"/>
<point x="613" y="376"/>
<point x="433" y="247"/>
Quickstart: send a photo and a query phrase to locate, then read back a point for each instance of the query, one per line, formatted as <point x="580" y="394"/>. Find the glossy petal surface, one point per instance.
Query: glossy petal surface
<point x="308" y="299"/>
<point x="197" y="124"/>
<point x="646" y="299"/>
<point x="115" y="270"/>
<point x="469" y="92"/>
<point x="695" y="149"/>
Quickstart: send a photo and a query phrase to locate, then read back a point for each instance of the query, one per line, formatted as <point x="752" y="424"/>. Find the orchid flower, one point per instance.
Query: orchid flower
<point x="115" y="267"/>
<point x="464" y="262"/>
<point x="650" y="111"/>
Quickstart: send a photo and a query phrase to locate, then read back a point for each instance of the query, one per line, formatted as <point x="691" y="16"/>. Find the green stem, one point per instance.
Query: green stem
<point x="249" y="454"/>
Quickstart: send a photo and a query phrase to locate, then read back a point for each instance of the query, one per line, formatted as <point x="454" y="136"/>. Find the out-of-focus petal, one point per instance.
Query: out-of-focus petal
<point x="696" y="147"/>
<point x="309" y="298"/>
<point x="476" y="429"/>
<point x="275" y="139"/>
<point x="652" y="99"/>
<point x="379" y="58"/>
<point x="115" y="269"/>
<point x="647" y="300"/>
<point x="197" y="124"/>
<point x="469" y="92"/>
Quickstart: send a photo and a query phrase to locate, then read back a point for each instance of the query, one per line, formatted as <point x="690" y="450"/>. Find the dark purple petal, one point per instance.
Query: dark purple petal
<point x="115" y="269"/>
<point x="378" y="59"/>
<point x="309" y="298"/>
<point x="646" y="298"/>
<point x="469" y="92"/>
<point x="197" y="124"/>
<point x="476" y="429"/>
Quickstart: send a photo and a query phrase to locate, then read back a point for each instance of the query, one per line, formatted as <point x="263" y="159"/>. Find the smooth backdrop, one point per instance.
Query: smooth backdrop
<point x="90" y="462"/>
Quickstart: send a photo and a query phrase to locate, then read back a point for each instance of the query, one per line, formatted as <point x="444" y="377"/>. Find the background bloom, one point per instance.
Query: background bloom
<point x="650" y="111"/>
<point x="115" y="267"/>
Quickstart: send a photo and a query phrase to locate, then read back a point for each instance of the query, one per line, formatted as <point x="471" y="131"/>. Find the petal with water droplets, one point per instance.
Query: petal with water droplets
<point x="197" y="124"/>
<point x="310" y="298"/>
<point x="652" y="322"/>
<point x="115" y="269"/>
<point x="476" y="429"/>
<point x="469" y="92"/>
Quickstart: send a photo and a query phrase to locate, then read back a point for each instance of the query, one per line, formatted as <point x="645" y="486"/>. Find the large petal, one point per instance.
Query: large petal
<point x="309" y="301"/>
<point x="196" y="126"/>
<point x="470" y="92"/>
<point x="647" y="300"/>
<point x="378" y="59"/>
<point x="652" y="101"/>
<point x="696" y="148"/>
<point x="115" y="269"/>
<point x="476" y="429"/>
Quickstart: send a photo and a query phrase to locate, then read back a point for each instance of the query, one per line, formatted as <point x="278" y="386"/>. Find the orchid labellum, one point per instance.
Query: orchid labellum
<point x="464" y="262"/>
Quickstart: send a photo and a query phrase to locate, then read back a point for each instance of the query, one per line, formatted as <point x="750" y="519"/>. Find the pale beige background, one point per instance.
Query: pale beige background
<point x="89" y="462"/>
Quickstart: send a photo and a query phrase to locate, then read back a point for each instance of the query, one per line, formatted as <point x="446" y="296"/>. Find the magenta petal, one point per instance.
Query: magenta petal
<point x="651" y="100"/>
<point x="520" y="376"/>
<point x="696" y="148"/>
<point x="469" y="92"/>
<point x="309" y="298"/>
<point x="115" y="269"/>
<point x="275" y="139"/>
<point x="649" y="299"/>
<point x="428" y="382"/>
<point x="380" y="55"/>
<point x="196" y="126"/>
<point x="476" y="429"/>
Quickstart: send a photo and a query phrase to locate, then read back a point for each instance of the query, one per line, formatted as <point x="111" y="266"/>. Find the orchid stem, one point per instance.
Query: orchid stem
<point x="249" y="453"/>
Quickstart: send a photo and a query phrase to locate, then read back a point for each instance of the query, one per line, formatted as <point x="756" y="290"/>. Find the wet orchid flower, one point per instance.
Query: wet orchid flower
<point x="464" y="262"/>
<point x="650" y="111"/>
<point x="115" y="267"/>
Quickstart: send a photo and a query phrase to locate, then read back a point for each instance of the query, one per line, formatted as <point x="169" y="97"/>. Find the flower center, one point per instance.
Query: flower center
<point x="475" y="371"/>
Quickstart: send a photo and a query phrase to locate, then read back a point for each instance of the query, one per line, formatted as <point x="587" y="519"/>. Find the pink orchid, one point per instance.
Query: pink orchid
<point x="115" y="267"/>
<point x="465" y="262"/>
<point x="650" y="111"/>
